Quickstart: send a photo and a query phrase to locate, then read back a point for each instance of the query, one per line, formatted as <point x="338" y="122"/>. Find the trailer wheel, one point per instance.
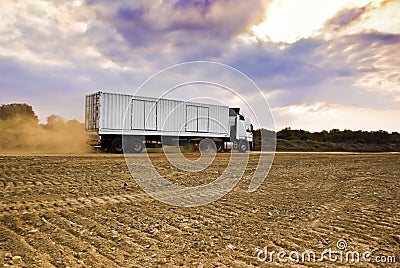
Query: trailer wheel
<point x="137" y="146"/>
<point x="243" y="146"/>
<point x="207" y="146"/>
<point x="116" y="146"/>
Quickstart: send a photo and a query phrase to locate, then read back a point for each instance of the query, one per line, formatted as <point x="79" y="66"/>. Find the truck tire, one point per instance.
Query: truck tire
<point x="207" y="146"/>
<point x="243" y="146"/>
<point x="219" y="146"/>
<point x="116" y="146"/>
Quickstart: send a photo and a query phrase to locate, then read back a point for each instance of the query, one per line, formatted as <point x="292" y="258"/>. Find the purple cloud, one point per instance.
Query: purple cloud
<point x="345" y="18"/>
<point x="144" y="23"/>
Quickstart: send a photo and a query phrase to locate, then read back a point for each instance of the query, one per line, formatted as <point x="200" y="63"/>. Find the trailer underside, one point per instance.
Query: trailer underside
<point x="115" y="143"/>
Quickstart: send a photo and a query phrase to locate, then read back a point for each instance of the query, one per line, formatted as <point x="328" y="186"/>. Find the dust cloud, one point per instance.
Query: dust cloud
<point x="21" y="134"/>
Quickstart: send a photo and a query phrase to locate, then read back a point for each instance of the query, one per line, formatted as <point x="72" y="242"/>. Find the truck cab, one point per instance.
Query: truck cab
<point x="241" y="130"/>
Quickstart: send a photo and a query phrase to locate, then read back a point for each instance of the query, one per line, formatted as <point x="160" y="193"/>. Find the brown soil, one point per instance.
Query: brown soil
<point x="87" y="211"/>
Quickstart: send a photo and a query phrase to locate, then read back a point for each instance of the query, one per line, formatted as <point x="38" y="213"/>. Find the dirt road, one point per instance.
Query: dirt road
<point x="87" y="211"/>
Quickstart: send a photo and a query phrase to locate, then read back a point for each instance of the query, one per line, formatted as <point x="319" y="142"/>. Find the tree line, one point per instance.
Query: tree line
<point x="340" y="136"/>
<point x="333" y="140"/>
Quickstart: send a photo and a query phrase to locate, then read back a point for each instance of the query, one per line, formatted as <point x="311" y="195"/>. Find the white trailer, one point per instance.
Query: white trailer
<point x="153" y="122"/>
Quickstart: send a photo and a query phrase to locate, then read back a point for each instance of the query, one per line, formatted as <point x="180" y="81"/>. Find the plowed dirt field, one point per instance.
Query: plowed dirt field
<point x="87" y="211"/>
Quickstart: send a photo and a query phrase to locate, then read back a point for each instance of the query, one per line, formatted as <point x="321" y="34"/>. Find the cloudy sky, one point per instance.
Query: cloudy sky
<point x="321" y="64"/>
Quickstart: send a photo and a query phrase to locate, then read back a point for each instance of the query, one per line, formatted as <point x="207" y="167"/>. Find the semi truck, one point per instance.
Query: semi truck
<point x="121" y="122"/>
